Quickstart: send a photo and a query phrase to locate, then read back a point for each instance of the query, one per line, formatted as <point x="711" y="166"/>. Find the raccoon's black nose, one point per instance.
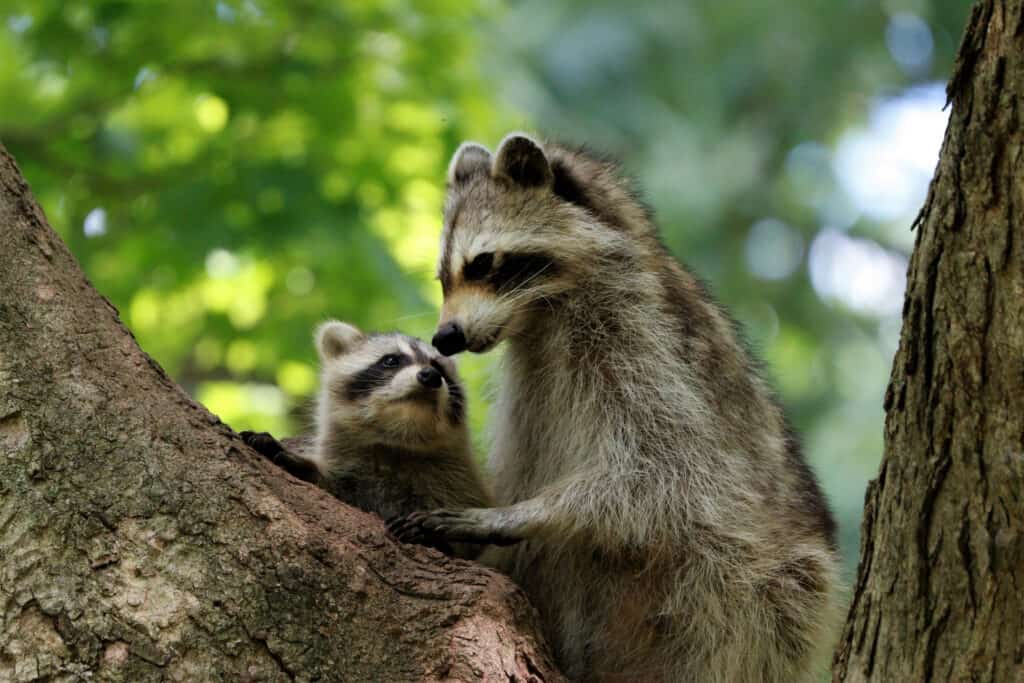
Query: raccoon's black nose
<point x="449" y="339"/>
<point x="429" y="377"/>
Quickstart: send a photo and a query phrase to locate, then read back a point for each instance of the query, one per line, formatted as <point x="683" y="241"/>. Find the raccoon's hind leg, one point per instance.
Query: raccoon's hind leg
<point x="274" y="451"/>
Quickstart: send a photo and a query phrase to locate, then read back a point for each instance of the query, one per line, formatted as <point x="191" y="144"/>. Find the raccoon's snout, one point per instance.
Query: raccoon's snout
<point x="430" y="378"/>
<point x="449" y="339"/>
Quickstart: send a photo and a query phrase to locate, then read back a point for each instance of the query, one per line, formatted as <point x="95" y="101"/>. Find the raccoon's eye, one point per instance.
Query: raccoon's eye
<point x="390" y="361"/>
<point x="478" y="268"/>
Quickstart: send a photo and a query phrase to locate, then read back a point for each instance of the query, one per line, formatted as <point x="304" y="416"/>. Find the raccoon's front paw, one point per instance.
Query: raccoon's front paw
<point x="274" y="451"/>
<point x="469" y="525"/>
<point x="428" y="540"/>
<point x="264" y="444"/>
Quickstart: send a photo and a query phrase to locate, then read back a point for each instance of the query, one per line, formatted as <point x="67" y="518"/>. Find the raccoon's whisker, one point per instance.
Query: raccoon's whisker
<point x="520" y="293"/>
<point x="413" y="315"/>
<point x="530" y="279"/>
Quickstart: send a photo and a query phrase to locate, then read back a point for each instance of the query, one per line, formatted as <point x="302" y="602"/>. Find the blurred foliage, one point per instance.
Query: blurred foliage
<point x="230" y="173"/>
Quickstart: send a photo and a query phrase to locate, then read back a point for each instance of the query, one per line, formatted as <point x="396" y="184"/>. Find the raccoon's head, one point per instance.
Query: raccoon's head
<point x="388" y="389"/>
<point x="517" y="235"/>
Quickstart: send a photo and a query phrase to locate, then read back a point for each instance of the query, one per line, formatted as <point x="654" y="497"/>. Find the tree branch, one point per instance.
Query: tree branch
<point x="142" y="540"/>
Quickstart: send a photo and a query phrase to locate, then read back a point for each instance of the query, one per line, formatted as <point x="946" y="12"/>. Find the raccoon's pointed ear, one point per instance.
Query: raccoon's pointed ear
<point x="468" y="159"/>
<point x="521" y="159"/>
<point x="334" y="338"/>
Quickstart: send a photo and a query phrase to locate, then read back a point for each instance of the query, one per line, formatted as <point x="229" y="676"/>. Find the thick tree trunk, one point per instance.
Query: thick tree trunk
<point x="940" y="589"/>
<point x="140" y="540"/>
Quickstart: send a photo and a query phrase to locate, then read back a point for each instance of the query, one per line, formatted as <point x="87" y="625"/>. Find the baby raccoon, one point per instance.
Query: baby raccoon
<point x="391" y="434"/>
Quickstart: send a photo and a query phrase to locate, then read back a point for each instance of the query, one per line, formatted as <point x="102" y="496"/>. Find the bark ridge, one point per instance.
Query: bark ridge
<point x="938" y="594"/>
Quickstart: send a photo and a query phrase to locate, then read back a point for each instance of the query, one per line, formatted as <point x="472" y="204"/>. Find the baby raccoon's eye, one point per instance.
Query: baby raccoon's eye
<point x="478" y="268"/>
<point x="390" y="361"/>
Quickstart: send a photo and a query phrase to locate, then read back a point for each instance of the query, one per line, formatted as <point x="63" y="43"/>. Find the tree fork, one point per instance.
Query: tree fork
<point x="141" y="540"/>
<point x="939" y="593"/>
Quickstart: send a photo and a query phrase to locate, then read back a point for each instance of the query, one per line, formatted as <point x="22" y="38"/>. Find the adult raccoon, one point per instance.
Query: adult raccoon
<point x="665" y="523"/>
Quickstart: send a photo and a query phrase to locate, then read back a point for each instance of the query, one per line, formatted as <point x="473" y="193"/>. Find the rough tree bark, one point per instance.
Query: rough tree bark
<point x="140" y="540"/>
<point x="940" y="589"/>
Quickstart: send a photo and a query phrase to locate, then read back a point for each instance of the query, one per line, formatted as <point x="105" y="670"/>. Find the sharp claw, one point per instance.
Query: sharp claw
<point x="425" y="527"/>
<point x="405" y="529"/>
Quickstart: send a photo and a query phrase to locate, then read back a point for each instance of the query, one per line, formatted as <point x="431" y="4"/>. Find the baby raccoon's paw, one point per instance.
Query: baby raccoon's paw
<point x="264" y="444"/>
<point x="273" y="450"/>
<point x="469" y="525"/>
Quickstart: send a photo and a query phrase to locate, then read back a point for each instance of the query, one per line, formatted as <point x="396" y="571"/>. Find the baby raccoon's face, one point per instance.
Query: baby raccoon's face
<point x="390" y="389"/>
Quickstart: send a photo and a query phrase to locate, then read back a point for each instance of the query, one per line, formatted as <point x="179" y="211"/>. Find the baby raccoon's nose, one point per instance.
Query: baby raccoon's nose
<point x="449" y="339"/>
<point x="429" y="377"/>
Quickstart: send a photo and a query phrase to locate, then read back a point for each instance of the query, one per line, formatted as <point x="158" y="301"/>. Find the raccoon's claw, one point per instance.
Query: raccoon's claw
<point x="273" y="450"/>
<point x="263" y="443"/>
<point x="407" y="531"/>
<point x="464" y="526"/>
<point x="410" y="528"/>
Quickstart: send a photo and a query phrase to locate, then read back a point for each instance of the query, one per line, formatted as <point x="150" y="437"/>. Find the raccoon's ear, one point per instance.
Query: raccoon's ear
<point x="521" y="159"/>
<point x="334" y="338"/>
<point x="468" y="159"/>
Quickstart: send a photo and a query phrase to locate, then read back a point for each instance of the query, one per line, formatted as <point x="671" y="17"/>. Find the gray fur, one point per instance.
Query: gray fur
<point x="669" y="527"/>
<point x="395" y="448"/>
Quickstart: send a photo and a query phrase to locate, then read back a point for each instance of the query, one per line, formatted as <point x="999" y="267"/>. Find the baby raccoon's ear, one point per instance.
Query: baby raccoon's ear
<point x="468" y="159"/>
<point x="521" y="159"/>
<point x="334" y="338"/>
